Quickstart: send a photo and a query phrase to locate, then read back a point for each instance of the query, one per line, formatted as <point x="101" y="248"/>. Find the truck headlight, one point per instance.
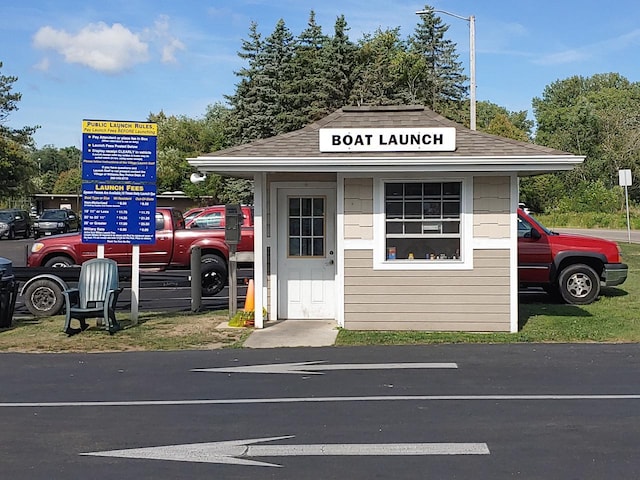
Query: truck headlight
<point x="36" y="247"/>
<point x="60" y="224"/>
<point x="3" y="227"/>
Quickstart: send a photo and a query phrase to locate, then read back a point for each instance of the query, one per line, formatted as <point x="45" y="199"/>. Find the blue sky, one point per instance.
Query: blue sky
<point x="121" y="60"/>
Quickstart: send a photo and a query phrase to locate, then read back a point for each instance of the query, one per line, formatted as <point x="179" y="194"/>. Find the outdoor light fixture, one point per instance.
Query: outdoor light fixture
<point x="197" y="177"/>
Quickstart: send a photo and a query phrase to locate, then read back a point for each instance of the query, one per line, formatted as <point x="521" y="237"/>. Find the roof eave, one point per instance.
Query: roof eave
<point x="249" y="165"/>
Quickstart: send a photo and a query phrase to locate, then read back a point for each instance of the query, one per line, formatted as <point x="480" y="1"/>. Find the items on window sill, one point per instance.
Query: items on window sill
<point x="391" y="255"/>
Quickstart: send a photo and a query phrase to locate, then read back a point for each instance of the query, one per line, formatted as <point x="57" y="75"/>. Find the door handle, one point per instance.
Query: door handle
<point x="330" y="262"/>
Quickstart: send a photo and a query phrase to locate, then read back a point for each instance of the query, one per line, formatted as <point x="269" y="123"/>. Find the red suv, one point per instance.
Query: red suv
<point x="570" y="265"/>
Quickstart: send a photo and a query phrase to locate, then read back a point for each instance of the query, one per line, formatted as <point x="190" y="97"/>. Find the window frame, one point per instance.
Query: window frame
<point x="465" y="235"/>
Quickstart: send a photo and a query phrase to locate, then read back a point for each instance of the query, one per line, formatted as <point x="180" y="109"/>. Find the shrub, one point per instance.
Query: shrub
<point x="591" y="197"/>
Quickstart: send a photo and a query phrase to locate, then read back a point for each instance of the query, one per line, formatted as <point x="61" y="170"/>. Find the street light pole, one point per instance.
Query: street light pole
<point x="472" y="60"/>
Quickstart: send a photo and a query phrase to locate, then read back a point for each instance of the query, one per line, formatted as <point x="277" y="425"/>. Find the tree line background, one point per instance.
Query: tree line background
<point x="288" y="81"/>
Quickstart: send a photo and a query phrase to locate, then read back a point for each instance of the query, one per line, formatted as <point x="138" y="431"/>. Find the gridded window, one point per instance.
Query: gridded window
<point x="422" y="220"/>
<point x="306" y="236"/>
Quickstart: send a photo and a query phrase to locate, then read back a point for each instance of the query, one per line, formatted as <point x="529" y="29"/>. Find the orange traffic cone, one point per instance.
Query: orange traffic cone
<point x="249" y="302"/>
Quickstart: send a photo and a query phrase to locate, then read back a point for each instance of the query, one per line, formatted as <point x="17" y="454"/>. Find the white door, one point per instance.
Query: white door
<point x="306" y="253"/>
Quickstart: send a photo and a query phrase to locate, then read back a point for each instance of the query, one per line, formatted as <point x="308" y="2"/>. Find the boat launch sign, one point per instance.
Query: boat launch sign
<point x="388" y="139"/>
<point x="118" y="181"/>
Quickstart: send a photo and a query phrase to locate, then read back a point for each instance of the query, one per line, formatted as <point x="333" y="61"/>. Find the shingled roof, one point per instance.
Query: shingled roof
<point x="288" y="149"/>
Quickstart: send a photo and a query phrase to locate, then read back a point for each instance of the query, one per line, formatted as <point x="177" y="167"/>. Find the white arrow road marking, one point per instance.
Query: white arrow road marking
<point x="236" y="452"/>
<point x="313" y="368"/>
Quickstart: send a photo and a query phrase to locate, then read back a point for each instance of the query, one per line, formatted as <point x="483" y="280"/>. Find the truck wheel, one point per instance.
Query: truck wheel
<point x="43" y="298"/>
<point x="59" y="262"/>
<point x="27" y="232"/>
<point x="579" y="284"/>
<point x="214" y="275"/>
<point x="12" y="234"/>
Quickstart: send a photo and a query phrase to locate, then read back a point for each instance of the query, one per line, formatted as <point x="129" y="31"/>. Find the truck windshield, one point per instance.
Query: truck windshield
<point x="546" y="230"/>
<point x="53" y="215"/>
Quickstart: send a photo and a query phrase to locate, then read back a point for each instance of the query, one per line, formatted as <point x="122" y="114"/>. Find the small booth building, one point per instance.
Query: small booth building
<point x="387" y="218"/>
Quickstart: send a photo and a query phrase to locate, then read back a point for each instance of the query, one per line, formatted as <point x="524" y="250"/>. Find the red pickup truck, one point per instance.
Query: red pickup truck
<point x="573" y="266"/>
<point x="172" y="250"/>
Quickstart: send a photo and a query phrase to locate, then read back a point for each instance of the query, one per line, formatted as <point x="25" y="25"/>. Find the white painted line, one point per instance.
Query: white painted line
<point x="237" y="451"/>
<point x="314" y="368"/>
<point x="384" y="398"/>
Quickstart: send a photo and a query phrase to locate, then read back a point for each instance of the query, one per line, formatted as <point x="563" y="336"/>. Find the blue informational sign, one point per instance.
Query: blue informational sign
<point x="119" y="158"/>
<point x="118" y="213"/>
<point x="118" y="182"/>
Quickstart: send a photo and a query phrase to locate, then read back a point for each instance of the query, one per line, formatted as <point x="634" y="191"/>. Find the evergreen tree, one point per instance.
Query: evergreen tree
<point x="308" y="90"/>
<point x="339" y="56"/>
<point x="261" y="105"/>
<point x="442" y="87"/>
<point x="376" y="78"/>
<point x="273" y="81"/>
<point x="245" y="102"/>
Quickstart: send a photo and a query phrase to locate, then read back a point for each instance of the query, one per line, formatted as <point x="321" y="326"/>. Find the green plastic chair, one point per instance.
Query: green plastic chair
<point x="96" y="296"/>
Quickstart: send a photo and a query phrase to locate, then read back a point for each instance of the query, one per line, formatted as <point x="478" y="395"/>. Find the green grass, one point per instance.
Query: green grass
<point x="614" y="221"/>
<point x="154" y="331"/>
<point x="614" y="317"/>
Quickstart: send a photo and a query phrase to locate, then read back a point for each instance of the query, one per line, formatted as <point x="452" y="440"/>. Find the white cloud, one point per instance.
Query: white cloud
<point x="601" y="49"/>
<point x="108" y="49"/>
<point x="560" y="58"/>
<point x="43" y="64"/>
<point x="169" y="44"/>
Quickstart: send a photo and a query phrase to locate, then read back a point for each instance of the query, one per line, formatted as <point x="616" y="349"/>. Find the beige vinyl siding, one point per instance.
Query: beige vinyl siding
<point x="491" y="207"/>
<point x="358" y="208"/>
<point x="476" y="300"/>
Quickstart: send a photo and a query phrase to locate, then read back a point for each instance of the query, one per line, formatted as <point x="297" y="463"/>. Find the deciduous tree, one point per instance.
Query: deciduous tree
<point x="15" y="144"/>
<point x="598" y="117"/>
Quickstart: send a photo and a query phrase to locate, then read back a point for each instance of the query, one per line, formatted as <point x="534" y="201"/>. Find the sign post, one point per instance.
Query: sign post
<point x="626" y="181"/>
<point x="119" y="189"/>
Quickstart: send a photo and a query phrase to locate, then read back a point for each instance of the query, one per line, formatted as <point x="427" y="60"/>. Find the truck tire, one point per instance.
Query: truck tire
<point x="579" y="284"/>
<point x="60" y="261"/>
<point x="214" y="275"/>
<point x="12" y="234"/>
<point x="43" y="298"/>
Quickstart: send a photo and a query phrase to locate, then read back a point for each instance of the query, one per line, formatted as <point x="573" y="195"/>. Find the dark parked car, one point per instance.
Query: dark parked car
<point x="55" y="220"/>
<point x="14" y="222"/>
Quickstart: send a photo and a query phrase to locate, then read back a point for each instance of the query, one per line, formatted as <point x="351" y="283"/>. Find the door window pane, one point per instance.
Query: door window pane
<point x="306" y="226"/>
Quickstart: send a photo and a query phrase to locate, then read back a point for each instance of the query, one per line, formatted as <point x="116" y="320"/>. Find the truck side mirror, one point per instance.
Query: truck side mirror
<point x="533" y="234"/>
<point x="233" y="223"/>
